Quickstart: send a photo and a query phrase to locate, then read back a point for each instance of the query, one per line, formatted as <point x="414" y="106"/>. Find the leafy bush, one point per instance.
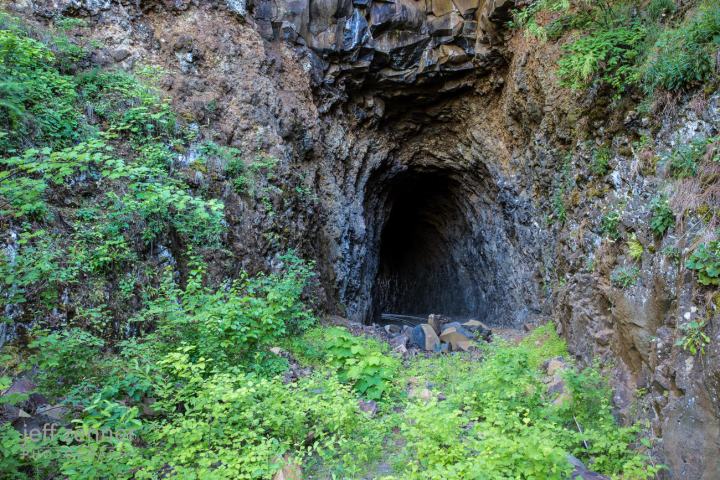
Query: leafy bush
<point x="635" y="248"/>
<point x="694" y="339"/>
<point x="663" y="217"/>
<point x="498" y="421"/>
<point x="609" y="224"/>
<point x="36" y="101"/>
<point x="360" y="362"/>
<point x="601" y="161"/>
<point x="606" y="56"/>
<point x="624" y="277"/>
<point x="227" y="325"/>
<point x="705" y="260"/>
<point x="685" y="56"/>
<point x="65" y="357"/>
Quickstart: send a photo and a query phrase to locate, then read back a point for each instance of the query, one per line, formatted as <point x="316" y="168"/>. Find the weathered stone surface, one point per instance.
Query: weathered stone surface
<point x="580" y="471"/>
<point x="479" y="329"/>
<point x="290" y="470"/>
<point x="425" y="338"/>
<point x="458" y="338"/>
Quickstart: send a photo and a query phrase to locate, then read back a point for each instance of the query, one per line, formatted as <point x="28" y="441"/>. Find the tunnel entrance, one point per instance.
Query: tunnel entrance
<point x="421" y="246"/>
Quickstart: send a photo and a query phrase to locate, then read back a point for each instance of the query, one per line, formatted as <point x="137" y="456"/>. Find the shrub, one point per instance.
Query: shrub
<point x="498" y="422"/>
<point x="234" y="425"/>
<point x="606" y="56"/>
<point x="635" y="248"/>
<point x="65" y="358"/>
<point x="601" y="161"/>
<point x="685" y="56"/>
<point x="663" y="217"/>
<point x="361" y="363"/>
<point x="705" y="260"/>
<point x="624" y="277"/>
<point x="36" y="101"/>
<point x="694" y="339"/>
<point x="228" y="325"/>
<point x="609" y="224"/>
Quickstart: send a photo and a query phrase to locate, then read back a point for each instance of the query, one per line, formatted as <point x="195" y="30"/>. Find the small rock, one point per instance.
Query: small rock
<point x="54" y="412"/>
<point x="369" y="406"/>
<point x="289" y="471"/>
<point x="479" y="329"/>
<point x="423" y="394"/>
<point x="120" y="54"/>
<point x="457" y="337"/>
<point x="580" y="471"/>
<point x="424" y="337"/>
<point x="436" y="322"/>
<point x="392" y="329"/>
<point x="554" y="365"/>
<point x="557" y="385"/>
<point x="399" y="344"/>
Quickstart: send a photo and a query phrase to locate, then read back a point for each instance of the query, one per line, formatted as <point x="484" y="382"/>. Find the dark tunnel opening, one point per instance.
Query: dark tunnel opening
<point x="423" y="228"/>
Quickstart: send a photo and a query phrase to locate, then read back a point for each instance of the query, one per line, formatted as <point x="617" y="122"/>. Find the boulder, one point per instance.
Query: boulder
<point x="554" y="365"/>
<point x="436" y="322"/>
<point x="479" y="329"/>
<point x="392" y="329"/>
<point x="424" y="337"/>
<point x="457" y="337"/>
<point x="399" y="343"/>
<point x="458" y="328"/>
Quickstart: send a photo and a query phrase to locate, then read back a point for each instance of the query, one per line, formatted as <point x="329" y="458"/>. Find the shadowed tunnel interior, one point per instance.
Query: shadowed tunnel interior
<point x="423" y="228"/>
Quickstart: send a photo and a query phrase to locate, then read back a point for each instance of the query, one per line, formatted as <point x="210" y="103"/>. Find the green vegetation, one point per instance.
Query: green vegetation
<point x="162" y="367"/>
<point x="600" y="165"/>
<point x="663" y="217"/>
<point x="362" y="363"/>
<point x="498" y="421"/>
<point x="694" y="340"/>
<point x="683" y="161"/>
<point x="705" y="260"/>
<point x="685" y="56"/>
<point x="629" y="44"/>
<point x="609" y="224"/>
<point x="635" y="248"/>
<point x="623" y="277"/>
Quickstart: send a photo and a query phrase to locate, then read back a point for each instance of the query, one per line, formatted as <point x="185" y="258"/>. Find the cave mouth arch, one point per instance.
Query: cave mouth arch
<point x="422" y="252"/>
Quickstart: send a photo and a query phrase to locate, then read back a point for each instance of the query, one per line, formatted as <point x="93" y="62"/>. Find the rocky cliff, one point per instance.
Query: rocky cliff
<point x="428" y="160"/>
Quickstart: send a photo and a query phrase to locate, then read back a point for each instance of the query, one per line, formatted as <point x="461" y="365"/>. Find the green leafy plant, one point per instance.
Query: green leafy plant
<point x="361" y="363"/>
<point x="705" y="260"/>
<point x="635" y="248"/>
<point x="694" y="339"/>
<point x="609" y="224"/>
<point x="606" y="55"/>
<point x="601" y="161"/>
<point x="663" y="217"/>
<point x="685" y="56"/>
<point x="65" y="357"/>
<point x="623" y="277"/>
<point x="683" y="161"/>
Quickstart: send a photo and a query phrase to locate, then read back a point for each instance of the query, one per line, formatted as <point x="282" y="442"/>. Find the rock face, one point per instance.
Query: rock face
<point x="422" y="150"/>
